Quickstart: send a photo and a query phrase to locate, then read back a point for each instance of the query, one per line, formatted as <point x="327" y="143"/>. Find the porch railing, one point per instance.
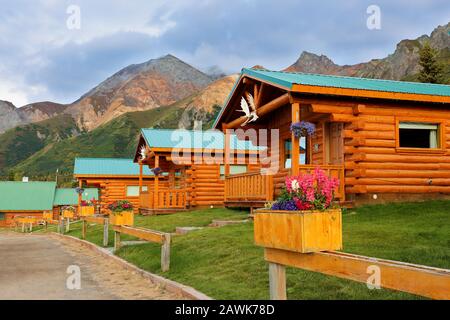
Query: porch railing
<point x="331" y="170"/>
<point x="164" y="199"/>
<point x="251" y="186"/>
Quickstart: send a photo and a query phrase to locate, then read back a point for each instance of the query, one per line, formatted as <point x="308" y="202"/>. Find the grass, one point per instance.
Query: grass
<point x="225" y="264"/>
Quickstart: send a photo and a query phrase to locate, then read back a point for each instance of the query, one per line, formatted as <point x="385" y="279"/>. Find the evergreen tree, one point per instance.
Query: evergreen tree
<point x="431" y="70"/>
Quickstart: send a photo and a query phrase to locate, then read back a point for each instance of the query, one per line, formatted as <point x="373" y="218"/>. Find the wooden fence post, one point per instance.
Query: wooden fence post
<point x="61" y="225"/>
<point x="116" y="240"/>
<point x="23" y="226"/>
<point x="277" y="281"/>
<point x="106" y="232"/>
<point x="165" y="253"/>
<point x="68" y="225"/>
<point x="31" y="227"/>
<point x="83" y="229"/>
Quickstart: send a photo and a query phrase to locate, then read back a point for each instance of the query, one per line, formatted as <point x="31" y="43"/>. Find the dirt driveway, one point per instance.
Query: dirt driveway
<point x="36" y="267"/>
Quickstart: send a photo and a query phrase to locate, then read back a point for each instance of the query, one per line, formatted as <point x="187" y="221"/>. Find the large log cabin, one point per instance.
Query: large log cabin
<point x="116" y="179"/>
<point x="191" y="168"/>
<point x="385" y="140"/>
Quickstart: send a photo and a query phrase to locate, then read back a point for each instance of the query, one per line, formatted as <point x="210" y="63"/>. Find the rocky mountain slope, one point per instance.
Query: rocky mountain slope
<point x="10" y="116"/>
<point x="400" y="65"/>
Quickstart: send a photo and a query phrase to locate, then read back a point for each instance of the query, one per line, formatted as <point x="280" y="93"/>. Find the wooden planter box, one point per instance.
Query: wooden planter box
<point x="68" y="214"/>
<point x="47" y="216"/>
<point x="125" y="218"/>
<point x="299" y="231"/>
<point x="86" y="211"/>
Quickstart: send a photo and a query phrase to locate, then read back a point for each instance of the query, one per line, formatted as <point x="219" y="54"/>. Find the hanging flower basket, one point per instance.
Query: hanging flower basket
<point x="303" y="129"/>
<point x="157" y="171"/>
<point x="303" y="219"/>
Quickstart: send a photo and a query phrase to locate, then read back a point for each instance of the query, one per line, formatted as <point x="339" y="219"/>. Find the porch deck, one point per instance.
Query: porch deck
<point x="163" y="201"/>
<point x="253" y="190"/>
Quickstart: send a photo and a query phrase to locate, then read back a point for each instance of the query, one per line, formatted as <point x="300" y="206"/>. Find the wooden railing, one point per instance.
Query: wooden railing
<point x="164" y="199"/>
<point x="336" y="171"/>
<point x="251" y="186"/>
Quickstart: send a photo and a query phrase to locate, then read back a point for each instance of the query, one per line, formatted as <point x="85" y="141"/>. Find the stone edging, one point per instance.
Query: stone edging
<point x="169" y="285"/>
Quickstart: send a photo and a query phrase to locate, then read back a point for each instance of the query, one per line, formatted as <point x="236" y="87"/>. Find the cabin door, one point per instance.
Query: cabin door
<point x="335" y="143"/>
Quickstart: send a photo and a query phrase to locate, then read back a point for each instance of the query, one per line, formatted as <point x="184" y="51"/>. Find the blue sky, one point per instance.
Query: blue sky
<point x="42" y="59"/>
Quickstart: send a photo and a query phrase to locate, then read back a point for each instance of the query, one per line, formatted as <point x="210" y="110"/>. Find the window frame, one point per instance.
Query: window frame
<point x="135" y="186"/>
<point x="440" y="135"/>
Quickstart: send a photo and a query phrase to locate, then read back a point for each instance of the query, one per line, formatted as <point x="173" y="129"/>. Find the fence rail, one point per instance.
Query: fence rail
<point x="251" y="186"/>
<point x="97" y="220"/>
<point x="148" y="235"/>
<point x="164" y="199"/>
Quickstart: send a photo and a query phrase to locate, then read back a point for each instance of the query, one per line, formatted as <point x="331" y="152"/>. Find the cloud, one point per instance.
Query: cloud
<point x="41" y="59"/>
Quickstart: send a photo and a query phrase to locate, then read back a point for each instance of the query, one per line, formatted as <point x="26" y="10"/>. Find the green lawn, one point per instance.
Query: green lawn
<point x="225" y="264"/>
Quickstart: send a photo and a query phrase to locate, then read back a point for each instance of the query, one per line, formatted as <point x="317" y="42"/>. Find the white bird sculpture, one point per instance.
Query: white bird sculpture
<point x="143" y="152"/>
<point x="245" y="108"/>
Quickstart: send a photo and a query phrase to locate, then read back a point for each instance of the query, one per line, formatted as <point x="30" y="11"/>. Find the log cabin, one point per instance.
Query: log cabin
<point x="33" y="199"/>
<point x="25" y="199"/>
<point x="116" y="179"/>
<point x="190" y="166"/>
<point x="385" y="140"/>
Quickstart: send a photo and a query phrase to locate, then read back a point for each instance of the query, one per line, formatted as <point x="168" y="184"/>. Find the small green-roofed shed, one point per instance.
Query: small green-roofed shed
<point x="27" y="196"/>
<point x="69" y="197"/>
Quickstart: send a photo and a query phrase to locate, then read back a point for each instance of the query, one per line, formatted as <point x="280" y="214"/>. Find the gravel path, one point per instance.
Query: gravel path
<point x="35" y="267"/>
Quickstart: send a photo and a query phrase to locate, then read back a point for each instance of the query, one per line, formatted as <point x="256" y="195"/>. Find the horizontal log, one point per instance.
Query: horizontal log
<point x="407" y="189"/>
<point x="374" y="150"/>
<point x="402" y="166"/>
<point x="405" y="158"/>
<point x="398" y="181"/>
<point x="379" y="173"/>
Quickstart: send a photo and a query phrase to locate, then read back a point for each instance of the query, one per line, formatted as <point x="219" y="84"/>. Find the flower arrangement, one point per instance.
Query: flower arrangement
<point x="88" y="203"/>
<point x="118" y="207"/>
<point x="69" y="208"/>
<point x="157" y="171"/>
<point x="303" y="129"/>
<point x="313" y="191"/>
<point x="79" y="190"/>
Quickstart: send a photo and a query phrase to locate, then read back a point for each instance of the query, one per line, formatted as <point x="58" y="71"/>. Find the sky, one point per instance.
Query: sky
<point x="57" y="50"/>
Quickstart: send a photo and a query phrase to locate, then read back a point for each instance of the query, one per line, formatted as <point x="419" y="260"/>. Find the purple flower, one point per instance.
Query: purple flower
<point x="288" y="205"/>
<point x="303" y="128"/>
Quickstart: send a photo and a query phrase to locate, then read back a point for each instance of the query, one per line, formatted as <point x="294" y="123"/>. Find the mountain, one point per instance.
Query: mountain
<point x="403" y="64"/>
<point x="10" y="116"/>
<point x="138" y="87"/>
<point x="117" y="138"/>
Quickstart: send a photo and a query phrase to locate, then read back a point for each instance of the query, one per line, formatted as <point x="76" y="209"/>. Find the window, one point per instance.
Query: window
<point x="234" y="169"/>
<point x="133" y="191"/>
<point x="288" y="149"/>
<point x="419" y="135"/>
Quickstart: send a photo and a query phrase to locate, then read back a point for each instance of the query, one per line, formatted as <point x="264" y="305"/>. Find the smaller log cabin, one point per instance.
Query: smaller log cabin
<point x="116" y="179"/>
<point x="32" y="199"/>
<point x="25" y="199"/>
<point x="385" y="140"/>
<point x="190" y="166"/>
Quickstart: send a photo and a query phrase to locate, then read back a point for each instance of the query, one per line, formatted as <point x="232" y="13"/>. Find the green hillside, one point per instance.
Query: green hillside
<point x="21" y="142"/>
<point x="116" y="138"/>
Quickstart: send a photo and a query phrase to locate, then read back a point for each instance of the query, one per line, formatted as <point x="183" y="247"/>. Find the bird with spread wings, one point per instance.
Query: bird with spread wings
<point x="245" y="108"/>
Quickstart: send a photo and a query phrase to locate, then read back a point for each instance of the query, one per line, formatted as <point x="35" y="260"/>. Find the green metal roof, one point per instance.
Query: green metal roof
<point x="195" y="139"/>
<point x="26" y="196"/>
<point x="288" y="79"/>
<point x="109" y="167"/>
<point x="69" y="197"/>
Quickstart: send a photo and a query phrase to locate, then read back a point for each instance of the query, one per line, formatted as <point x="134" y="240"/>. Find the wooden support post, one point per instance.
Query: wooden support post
<point x="156" y="195"/>
<point x="106" y="232"/>
<point x="227" y="155"/>
<point x="23" y="226"/>
<point x="140" y="177"/>
<point x="31" y="227"/>
<point x="116" y="240"/>
<point x="83" y="229"/>
<point x="61" y="225"/>
<point x="68" y="225"/>
<point x="295" y="152"/>
<point x="80" y="185"/>
<point x="165" y="253"/>
<point x="277" y="281"/>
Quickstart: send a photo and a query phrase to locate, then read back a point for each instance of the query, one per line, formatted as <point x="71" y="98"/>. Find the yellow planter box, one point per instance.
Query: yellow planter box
<point x="68" y="214"/>
<point x="299" y="231"/>
<point x="125" y="218"/>
<point x="86" y="211"/>
<point x="47" y="216"/>
<point x="26" y="220"/>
